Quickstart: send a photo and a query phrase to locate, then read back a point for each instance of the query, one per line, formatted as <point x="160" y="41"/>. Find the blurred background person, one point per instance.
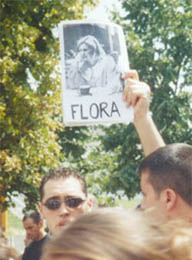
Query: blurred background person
<point x="33" y="225"/>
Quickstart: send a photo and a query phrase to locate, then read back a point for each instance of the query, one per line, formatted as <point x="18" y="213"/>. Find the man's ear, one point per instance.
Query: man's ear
<point x="41" y="223"/>
<point x="92" y="200"/>
<point x="40" y="209"/>
<point x="170" y="198"/>
<point x="89" y="204"/>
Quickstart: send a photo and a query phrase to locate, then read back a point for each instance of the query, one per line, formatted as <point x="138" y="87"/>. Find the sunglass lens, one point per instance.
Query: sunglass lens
<point x="73" y="202"/>
<point x="53" y="204"/>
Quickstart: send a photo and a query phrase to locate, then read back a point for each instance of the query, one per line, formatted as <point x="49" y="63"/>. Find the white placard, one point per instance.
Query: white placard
<point x="93" y="57"/>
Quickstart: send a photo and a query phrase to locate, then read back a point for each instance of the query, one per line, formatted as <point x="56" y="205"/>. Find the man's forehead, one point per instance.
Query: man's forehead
<point x="28" y="221"/>
<point x="63" y="180"/>
<point x="69" y="185"/>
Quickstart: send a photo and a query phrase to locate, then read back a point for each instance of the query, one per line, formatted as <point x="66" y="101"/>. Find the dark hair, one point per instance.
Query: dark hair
<point x="34" y="215"/>
<point x="63" y="173"/>
<point x="171" y="167"/>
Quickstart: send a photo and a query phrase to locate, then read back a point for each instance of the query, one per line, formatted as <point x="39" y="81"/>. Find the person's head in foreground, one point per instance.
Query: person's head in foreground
<point x="63" y="196"/>
<point x="33" y="225"/>
<point x="116" y="234"/>
<point x="166" y="182"/>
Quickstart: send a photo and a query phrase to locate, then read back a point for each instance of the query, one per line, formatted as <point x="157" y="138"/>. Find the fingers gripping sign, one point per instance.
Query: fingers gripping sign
<point x="136" y="94"/>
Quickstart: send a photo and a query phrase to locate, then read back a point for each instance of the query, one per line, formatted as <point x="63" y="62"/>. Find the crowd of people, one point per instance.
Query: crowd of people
<point x="160" y="229"/>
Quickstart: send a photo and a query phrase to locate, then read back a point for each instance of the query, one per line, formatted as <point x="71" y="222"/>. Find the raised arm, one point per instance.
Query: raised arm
<point x="138" y="94"/>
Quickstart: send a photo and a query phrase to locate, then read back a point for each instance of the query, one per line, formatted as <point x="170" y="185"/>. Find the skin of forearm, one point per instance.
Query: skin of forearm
<point x="149" y="135"/>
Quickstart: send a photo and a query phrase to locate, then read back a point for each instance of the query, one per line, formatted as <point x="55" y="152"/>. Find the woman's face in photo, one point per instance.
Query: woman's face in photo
<point x="86" y="53"/>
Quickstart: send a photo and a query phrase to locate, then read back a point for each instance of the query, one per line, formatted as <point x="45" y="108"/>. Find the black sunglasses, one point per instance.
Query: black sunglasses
<point x="54" y="204"/>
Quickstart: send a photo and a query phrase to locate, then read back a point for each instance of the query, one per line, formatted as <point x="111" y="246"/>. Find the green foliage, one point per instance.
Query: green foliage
<point x="72" y="140"/>
<point x="30" y="91"/>
<point x="123" y="143"/>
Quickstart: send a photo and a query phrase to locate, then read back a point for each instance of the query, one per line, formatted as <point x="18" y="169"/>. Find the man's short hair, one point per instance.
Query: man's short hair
<point x="34" y="215"/>
<point x="62" y="173"/>
<point x="170" y="167"/>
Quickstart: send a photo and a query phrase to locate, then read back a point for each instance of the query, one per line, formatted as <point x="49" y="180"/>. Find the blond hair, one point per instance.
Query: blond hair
<point x="113" y="234"/>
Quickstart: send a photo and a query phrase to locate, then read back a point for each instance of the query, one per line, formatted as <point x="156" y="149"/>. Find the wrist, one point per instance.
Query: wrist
<point x="142" y="119"/>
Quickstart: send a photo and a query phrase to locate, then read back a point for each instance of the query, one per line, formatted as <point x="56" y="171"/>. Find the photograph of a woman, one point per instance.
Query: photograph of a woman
<point x="92" y="67"/>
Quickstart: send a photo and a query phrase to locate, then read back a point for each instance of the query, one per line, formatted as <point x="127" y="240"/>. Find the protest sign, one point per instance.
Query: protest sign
<point x="93" y="58"/>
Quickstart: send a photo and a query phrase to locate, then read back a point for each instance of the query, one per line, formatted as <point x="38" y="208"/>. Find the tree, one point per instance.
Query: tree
<point x="159" y="41"/>
<point x="30" y="91"/>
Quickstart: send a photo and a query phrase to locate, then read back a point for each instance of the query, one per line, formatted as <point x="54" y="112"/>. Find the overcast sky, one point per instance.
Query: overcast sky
<point x="102" y="10"/>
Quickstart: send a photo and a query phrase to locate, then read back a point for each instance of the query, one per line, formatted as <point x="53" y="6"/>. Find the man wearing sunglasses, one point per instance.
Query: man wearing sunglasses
<point x="63" y="196"/>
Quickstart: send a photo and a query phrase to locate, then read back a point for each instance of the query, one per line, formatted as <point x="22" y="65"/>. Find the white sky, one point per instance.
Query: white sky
<point x="102" y="10"/>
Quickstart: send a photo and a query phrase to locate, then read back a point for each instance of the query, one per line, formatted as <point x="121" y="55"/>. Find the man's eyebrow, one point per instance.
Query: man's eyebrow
<point x="72" y="196"/>
<point x="53" y="197"/>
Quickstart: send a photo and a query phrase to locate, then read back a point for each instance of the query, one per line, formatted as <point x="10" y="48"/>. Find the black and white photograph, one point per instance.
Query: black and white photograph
<point x="93" y="58"/>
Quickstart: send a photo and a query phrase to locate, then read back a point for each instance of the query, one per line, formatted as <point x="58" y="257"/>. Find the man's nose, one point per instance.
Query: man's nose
<point x="28" y="232"/>
<point x="63" y="210"/>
